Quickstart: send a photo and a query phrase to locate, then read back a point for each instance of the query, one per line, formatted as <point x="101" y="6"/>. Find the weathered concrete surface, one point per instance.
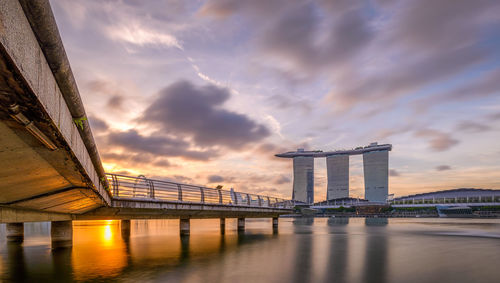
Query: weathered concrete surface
<point x="28" y="168"/>
<point x="15" y="232"/>
<point x="61" y="234"/>
<point x="13" y="215"/>
<point x="184" y="226"/>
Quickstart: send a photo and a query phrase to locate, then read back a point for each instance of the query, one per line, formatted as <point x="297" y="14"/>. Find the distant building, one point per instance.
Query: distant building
<point x="303" y="179"/>
<point x="375" y="164"/>
<point x="462" y="195"/>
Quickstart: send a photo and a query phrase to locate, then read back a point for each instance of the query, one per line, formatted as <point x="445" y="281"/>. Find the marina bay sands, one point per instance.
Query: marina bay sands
<point x="375" y="168"/>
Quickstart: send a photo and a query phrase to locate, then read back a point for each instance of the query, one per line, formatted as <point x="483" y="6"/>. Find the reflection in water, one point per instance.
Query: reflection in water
<point x="303" y="254"/>
<point x="376" y="250"/>
<point x="337" y="261"/>
<point x="305" y="250"/>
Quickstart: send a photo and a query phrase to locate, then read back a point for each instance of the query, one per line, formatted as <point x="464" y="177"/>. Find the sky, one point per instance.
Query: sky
<point x="206" y="92"/>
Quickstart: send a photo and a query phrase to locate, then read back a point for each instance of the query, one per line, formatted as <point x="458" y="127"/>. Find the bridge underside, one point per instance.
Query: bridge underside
<point x="44" y="164"/>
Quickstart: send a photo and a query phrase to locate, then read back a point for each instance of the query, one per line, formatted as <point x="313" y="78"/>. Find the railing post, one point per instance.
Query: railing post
<point x="260" y="200"/>
<point x="220" y="196"/>
<point x="268" y="202"/>
<point x="248" y="199"/>
<point x="114" y="181"/>
<point x="235" y="197"/>
<point x="179" y="192"/>
<point x="151" y="189"/>
<point x="202" y="195"/>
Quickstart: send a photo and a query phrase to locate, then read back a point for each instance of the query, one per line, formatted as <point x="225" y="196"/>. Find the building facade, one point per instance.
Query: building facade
<point x="376" y="171"/>
<point x="337" y="167"/>
<point x="303" y="179"/>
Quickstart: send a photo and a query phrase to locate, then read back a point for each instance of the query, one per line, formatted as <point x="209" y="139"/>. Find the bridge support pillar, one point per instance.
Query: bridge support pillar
<point x="15" y="232"/>
<point x="184" y="226"/>
<point x="241" y="224"/>
<point x="61" y="233"/>
<point x="223" y="226"/>
<point x="275" y="225"/>
<point x="125" y="228"/>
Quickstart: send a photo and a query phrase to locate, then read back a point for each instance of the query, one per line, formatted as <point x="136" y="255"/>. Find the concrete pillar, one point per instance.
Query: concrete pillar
<point x="223" y="226"/>
<point x="15" y="232"/>
<point x="125" y="228"/>
<point x="241" y="224"/>
<point x="184" y="226"/>
<point x="275" y="224"/>
<point x="61" y="233"/>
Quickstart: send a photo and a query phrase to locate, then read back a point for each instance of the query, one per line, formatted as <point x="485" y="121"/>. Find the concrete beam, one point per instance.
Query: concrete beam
<point x="13" y="215"/>
<point x="184" y="226"/>
<point x="241" y="225"/>
<point x="61" y="233"/>
<point x="223" y="226"/>
<point x="125" y="228"/>
<point x="275" y="225"/>
<point x="15" y="232"/>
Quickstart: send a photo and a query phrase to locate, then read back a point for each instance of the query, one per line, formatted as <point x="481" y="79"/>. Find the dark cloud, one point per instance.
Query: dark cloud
<point x="394" y="173"/>
<point x="443" y="168"/>
<point x="215" y="179"/>
<point x="134" y="159"/>
<point x="97" y="124"/>
<point x="378" y="56"/>
<point x="197" y="113"/>
<point x="472" y="127"/>
<point x="115" y="102"/>
<point x="282" y="179"/>
<point x="438" y="141"/>
<point x="159" y="145"/>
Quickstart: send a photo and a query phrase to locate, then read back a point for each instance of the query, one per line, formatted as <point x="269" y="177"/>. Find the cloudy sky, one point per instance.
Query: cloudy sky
<point x="206" y="92"/>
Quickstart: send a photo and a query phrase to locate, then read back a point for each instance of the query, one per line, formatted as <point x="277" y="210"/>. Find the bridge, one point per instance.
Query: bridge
<point x="50" y="168"/>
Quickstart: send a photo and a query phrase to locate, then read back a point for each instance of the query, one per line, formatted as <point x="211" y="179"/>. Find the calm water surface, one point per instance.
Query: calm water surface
<point x="304" y="250"/>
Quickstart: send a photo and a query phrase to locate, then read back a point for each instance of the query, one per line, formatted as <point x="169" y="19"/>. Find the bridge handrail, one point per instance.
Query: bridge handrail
<point x="144" y="188"/>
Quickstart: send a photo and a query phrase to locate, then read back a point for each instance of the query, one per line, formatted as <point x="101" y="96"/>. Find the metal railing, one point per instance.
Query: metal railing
<point x="141" y="188"/>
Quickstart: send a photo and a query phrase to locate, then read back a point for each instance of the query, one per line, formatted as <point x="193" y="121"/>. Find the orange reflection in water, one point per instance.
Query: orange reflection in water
<point x="98" y="249"/>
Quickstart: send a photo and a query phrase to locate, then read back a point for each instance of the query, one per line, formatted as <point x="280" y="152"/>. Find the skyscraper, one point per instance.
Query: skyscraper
<point x="337" y="167"/>
<point x="376" y="171"/>
<point x="303" y="179"/>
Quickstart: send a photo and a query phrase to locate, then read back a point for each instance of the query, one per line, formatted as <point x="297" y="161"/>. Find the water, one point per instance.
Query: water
<point x="305" y="250"/>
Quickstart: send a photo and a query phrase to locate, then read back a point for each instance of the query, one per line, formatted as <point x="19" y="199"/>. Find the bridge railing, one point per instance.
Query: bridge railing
<point x="127" y="187"/>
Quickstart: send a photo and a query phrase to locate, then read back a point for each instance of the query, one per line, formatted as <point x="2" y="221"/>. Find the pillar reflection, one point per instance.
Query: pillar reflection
<point x="336" y="270"/>
<point x="375" y="266"/>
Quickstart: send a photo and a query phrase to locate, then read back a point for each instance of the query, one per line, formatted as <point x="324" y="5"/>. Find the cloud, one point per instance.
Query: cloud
<point x="472" y="127"/>
<point x="136" y="34"/>
<point x="158" y="144"/>
<point x="134" y="159"/>
<point x="97" y="124"/>
<point x="115" y="102"/>
<point x="197" y="113"/>
<point x="438" y="141"/>
<point x="443" y="168"/>
<point x="394" y="173"/>
<point x="215" y="179"/>
<point x="281" y="179"/>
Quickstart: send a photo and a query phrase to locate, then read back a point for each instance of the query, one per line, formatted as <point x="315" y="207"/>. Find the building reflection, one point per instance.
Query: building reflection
<point x="336" y="270"/>
<point x="375" y="265"/>
<point x="303" y="254"/>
